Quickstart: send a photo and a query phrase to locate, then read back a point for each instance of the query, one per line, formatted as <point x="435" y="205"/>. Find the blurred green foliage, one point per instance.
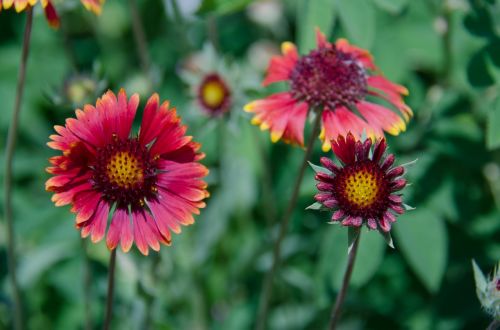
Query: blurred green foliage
<point x="446" y="52"/>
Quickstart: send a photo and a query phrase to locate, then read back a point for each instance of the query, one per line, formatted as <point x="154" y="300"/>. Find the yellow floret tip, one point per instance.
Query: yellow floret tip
<point x="275" y="136"/>
<point x="249" y="107"/>
<point x="286" y="47"/>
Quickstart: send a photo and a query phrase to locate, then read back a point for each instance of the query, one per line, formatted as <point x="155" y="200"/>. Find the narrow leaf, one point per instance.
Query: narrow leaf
<point x="319" y="169"/>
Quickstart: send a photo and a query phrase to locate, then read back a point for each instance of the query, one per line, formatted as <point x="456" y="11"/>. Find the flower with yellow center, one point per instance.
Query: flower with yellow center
<point x="214" y="95"/>
<point x="364" y="189"/>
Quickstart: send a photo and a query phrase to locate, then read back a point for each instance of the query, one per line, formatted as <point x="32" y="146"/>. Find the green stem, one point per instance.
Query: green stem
<point x="111" y="285"/>
<point x="268" y="282"/>
<point x="87" y="280"/>
<point x="494" y="325"/>
<point x="9" y="156"/>
<point x="140" y="37"/>
<point x="337" y="308"/>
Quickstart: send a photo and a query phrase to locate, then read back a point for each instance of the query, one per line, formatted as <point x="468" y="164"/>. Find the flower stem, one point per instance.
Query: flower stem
<point x="268" y="282"/>
<point x="337" y="308"/>
<point x="9" y="155"/>
<point x="111" y="285"/>
<point x="140" y="37"/>
<point x="87" y="280"/>
<point x="494" y="325"/>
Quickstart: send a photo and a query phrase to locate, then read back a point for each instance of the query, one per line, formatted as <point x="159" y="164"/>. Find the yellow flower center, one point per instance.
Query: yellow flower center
<point x="361" y="188"/>
<point x="213" y="93"/>
<point x="125" y="170"/>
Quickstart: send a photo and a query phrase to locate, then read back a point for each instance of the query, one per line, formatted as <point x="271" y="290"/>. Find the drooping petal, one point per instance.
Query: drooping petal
<point x="282" y="115"/>
<point x="381" y="118"/>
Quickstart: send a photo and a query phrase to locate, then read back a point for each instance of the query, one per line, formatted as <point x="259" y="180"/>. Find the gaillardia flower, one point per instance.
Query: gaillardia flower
<point x="48" y="7"/>
<point x="147" y="184"/>
<point x="364" y="189"/>
<point x="214" y="95"/>
<point x="339" y="80"/>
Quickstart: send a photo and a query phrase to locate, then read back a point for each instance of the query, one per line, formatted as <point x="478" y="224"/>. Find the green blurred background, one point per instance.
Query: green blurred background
<point x="446" y="52"/>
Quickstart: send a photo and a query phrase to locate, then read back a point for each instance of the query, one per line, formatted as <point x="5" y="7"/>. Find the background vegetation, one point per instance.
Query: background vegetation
<point x="446" y="52"/>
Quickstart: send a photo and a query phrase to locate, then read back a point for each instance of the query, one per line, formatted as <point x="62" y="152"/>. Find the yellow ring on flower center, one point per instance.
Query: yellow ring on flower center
<point x="125" y="170"/>
<point x="361" y="188"/>
<point x="213" y="93"/>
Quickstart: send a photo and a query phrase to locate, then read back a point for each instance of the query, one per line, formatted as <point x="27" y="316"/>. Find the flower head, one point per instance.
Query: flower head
<point x="337" y="78"/>
<point x="147" y="184"/>
<point x="364" y="189"/>
<point x="214" y="95"/>
<point x="48" y="7"/>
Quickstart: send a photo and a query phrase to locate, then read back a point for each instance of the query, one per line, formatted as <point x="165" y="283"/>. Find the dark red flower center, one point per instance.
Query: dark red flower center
<point x="213" y="94"/>
<point x="125" y="173"/>
<point x="362" y="190"/>
<point x="328" y="77"/>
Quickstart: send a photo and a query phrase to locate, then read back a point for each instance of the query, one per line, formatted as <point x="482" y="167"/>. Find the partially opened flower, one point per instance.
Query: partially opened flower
<point x="364" y="188"/>
<point x="147" y="184"/>
<point x="48" y="7"/>
<point x="488" y="290"/>
<point x="338" y="79"/>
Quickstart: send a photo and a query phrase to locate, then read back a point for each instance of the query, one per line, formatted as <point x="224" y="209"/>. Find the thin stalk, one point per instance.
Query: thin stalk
<point x="87" y="280"/>
<point x="494" y="325"/>
<point x="111" y="285"/>
<point x="337" y="308"/>
<point x="9" y="156"/>
<point x="268" y="282"/>
<point x="212" y="32"/>
<point x="269" y="198"/>
<point x="447" y="45"/>
<point x="151" y="297"/>
<point x="140" y="37"/>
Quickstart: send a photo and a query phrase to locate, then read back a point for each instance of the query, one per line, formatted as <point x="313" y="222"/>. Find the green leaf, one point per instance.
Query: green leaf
<point x="391" y="6"/>
<point x="492" y="127"/>
<point x="479" y="278"/>
<point x="222" y="7"/>
<point x="423" y="239"/>
<point x="477" y="70"/>
<point x="315" y="206"/>
<point x="313" y="14"/>
<point x="358" y="20"/>
<point x="371" y="251"/>
<point x="319" y="169"/>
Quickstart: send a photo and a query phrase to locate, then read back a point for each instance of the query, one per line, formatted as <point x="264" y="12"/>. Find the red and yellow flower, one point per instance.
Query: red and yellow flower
<point x="48" y="7"/>
<point x="147" y="184"/>
<point x="338" y="79"/>
<point x="364" y="189"/>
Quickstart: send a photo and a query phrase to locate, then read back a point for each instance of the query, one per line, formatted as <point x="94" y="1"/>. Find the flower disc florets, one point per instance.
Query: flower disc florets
<point x="125" y="173"/>
<point x="364" y="189"/>
<point x="214" y="95"/>
<point x="328" y="77"/>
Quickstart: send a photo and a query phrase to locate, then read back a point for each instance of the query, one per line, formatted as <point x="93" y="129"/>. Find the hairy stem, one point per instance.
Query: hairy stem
<point x="337" y="308"/>
<point x="268" y="282"/>
<point x="9" y="155"/>
<point x="111" y="285"/>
